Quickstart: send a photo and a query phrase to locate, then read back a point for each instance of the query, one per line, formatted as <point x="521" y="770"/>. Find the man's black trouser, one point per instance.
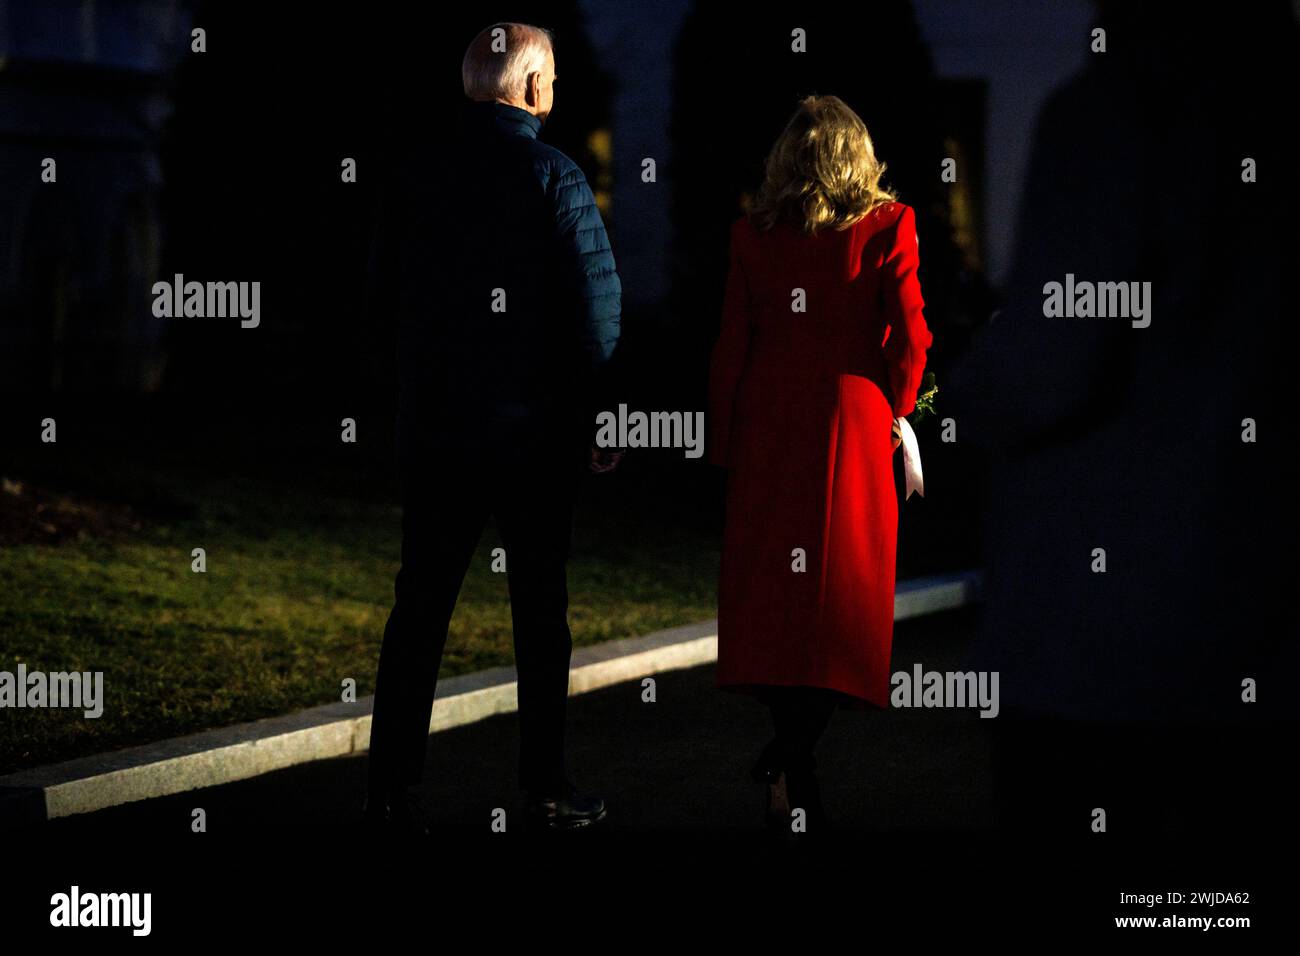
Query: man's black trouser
<point x="446" y="501"/>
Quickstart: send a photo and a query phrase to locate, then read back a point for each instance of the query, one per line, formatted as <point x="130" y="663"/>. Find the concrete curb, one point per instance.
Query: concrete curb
<point x="336" y="730"/>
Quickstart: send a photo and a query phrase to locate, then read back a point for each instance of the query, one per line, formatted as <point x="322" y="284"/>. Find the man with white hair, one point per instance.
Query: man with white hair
<point x="492" y="254"/>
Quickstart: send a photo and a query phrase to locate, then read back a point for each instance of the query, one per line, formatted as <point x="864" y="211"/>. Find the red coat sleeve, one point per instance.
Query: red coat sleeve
<point x="907" y="337"/>
<point x="730" y="352"/>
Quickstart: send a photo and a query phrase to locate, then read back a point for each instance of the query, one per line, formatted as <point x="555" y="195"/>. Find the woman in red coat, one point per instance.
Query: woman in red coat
<point x="821" y="350"/>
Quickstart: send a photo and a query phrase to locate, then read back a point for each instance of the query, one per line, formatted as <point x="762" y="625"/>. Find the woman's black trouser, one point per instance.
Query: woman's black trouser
<point x="799" y="717"/>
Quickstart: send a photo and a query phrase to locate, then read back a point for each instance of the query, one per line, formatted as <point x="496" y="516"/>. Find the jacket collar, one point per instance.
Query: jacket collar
<point x="504" y="118"/>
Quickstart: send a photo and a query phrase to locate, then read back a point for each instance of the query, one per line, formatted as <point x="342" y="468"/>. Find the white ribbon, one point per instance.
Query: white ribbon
<point x="911" y="460"/>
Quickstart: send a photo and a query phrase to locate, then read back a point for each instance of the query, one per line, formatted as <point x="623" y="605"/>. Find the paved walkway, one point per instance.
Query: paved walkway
<point x="680" y="763"/>
<point x="916" y="849"/>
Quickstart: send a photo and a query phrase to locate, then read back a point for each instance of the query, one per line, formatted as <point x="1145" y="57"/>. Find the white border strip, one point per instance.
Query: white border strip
<point x="335" y="730"/>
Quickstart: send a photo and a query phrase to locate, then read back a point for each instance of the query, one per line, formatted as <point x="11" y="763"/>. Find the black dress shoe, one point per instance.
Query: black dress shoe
<point x="400" y="814"/>
<point x="568" y="810"/>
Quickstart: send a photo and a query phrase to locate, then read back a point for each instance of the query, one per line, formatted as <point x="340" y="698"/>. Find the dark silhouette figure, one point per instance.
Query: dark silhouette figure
<point x="1124" y="689"/>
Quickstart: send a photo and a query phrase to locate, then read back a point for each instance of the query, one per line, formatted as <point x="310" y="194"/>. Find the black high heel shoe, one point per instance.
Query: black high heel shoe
<point x="767" y="770"/>
<point x="805" y="793"/>
<point x="791" y="787"/>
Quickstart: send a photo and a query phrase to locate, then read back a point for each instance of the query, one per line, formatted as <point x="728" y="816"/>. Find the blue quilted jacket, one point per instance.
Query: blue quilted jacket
<point x="491" y="254"/>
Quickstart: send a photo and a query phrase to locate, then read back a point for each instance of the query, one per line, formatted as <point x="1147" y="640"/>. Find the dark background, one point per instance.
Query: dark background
<point x="240" y="180"/>
<point x="226" y="166"/>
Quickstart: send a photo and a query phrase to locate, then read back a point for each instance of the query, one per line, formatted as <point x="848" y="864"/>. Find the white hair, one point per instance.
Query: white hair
<point x="497" y="65"/>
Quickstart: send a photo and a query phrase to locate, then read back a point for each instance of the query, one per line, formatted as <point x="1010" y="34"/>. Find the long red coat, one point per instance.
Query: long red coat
<point x="801" y="409"/>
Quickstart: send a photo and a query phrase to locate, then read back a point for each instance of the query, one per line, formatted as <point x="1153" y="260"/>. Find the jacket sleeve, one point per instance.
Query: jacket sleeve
<point x="730" y="353"/>
<point x="907" y="337"/>
<point x="587" y="264"/>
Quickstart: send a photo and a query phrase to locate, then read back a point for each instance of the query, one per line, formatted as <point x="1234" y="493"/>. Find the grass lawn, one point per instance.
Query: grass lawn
<point x="298" y="587"/>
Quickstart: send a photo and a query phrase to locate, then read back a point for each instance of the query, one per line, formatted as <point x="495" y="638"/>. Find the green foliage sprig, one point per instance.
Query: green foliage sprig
<point x="924" y="399"/>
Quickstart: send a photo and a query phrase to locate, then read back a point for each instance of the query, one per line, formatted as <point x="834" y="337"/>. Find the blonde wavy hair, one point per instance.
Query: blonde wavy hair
<point x="822" y="171"/>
